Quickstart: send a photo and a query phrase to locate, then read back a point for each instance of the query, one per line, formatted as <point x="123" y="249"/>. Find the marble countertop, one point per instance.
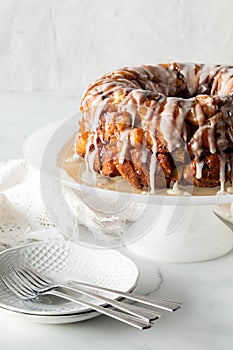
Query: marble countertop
<point x="206" y="289"/>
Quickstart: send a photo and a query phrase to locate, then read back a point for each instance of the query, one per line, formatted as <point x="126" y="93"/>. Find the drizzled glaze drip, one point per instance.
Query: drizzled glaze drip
<point x="176" y="190"/>
<point x="181" y="106"/>
<point x="124" y="139"/>
<point x="153" y="163"/>
<point x="90" y="175"/>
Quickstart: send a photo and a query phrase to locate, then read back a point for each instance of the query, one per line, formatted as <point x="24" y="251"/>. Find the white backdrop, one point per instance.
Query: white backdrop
<point x="65" y="44"/>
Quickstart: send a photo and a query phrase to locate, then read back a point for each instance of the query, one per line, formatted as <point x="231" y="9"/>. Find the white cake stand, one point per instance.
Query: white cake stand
<point x="185" y="234"/>
<point x="172" y="228"/>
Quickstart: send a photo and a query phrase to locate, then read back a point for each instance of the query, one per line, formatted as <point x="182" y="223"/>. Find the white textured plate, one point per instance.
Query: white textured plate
<point x="62" y="319"/>
<point x="63" y="261"/>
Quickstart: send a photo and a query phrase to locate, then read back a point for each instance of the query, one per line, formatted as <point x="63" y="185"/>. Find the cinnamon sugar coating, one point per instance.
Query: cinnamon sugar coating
<point x="154" y="125"/>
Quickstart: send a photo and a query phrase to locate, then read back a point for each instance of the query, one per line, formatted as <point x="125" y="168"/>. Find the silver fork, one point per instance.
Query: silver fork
<point x="36" y="283"/>
<point x="24" y="291"/>
<point x="42" y="282"/>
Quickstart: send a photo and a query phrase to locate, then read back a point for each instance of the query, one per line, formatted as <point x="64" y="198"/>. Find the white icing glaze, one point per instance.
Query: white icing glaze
<point x="211" y="139"/>
<point x="138" y="95"/>
<point x="222" y="169"/>
<point x="167" y="124"/>
<point x="199" y="167"/>
<point x="88" y="178"/>
<point x="132" y="109"/>
<point x="148" y="72"/>
<point x="125" y="87"/>
<point x="199" y="114"/>
<point x="97" y="112"/>
<point x="197" y="150"/>
<point x="176" y="190"/>
<point x="191" y="79"/>
<point x="124" y="138"/>
<point x="197" y="141"/>
<point x="73" y="159"/>
<point x="153" y="163"/>
<point x="207" y="72"/>
<point x="230" y="132"/>
<point x="122" y="153"/>
<point x="90" y="174"/>
<point x="222" y="175"/>
<point x="226" y="81"/>
<point x="145" y="152"/>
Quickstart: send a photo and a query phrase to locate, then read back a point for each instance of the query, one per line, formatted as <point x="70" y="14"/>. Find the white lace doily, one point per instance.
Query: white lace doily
<point x="25" y="218"/>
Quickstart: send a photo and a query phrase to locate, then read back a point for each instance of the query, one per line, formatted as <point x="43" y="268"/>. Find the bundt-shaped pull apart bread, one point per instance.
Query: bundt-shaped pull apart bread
<point x="157" y="124"/>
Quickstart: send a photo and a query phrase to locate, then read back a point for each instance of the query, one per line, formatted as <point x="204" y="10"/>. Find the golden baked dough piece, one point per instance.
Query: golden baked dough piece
<point x="154" y="125"/>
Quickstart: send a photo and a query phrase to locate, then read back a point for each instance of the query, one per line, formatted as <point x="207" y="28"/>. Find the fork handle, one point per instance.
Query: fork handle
<point x="148" y="315"/>
<point x="130" y="320"/>
<point x="164" y="304"/>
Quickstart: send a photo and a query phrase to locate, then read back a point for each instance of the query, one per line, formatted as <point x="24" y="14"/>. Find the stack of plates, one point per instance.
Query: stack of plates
<point x="62" y="261"/>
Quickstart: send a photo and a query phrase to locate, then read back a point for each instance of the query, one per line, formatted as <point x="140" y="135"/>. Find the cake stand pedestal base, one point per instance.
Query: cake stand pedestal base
<point x="184" y="234"/>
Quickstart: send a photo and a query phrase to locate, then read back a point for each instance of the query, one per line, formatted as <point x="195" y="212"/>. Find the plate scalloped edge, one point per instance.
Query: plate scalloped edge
<point x="120" y="279"/>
